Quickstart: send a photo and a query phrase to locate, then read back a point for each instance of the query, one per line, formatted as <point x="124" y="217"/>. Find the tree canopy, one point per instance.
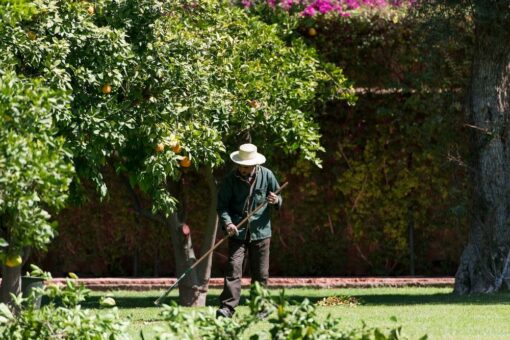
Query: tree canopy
<point x="149" y="88"/>
<point x="144" y="73"/>
<point x="35" y="169"/>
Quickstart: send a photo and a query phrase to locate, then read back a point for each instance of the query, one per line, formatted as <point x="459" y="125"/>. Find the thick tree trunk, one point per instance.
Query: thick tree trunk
<point x="484" y="261"/>
<point x="189" y="286"/>
<point x="204" y="268"/>
<point x="11" y="283"/>
<point x="194" y="286"/>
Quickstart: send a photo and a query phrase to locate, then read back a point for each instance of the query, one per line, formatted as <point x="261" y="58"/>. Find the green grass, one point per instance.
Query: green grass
<point x="432" y="311"/>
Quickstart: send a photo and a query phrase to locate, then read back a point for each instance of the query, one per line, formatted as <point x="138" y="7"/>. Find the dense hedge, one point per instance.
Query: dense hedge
<point x="394" y="164"/>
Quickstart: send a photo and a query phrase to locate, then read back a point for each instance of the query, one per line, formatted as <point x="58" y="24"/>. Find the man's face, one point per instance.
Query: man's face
<point x="246" y="171"/>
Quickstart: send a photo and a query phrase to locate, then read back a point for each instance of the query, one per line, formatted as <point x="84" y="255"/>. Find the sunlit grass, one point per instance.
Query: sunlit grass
<point x="432" y="311"/>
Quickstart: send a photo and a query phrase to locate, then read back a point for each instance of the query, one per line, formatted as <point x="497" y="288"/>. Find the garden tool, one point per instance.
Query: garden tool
<point x="244" y="220"/>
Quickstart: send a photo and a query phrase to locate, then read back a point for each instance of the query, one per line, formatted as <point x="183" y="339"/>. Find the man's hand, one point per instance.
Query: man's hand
<point x="272" y="198"/>
<point x="232" y="229"/>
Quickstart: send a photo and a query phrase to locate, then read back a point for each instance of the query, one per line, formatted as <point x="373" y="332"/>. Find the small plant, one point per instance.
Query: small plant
<point x="61" y="318"/>
<point x="205" y="325"/>
<point x="38" y="272"/>
<point x="69" y="295"/>
<point x="288" y="320"/>
<point x="107" y="302"/>
<point x="301" y="322"/>
<point x="202" y="324"/>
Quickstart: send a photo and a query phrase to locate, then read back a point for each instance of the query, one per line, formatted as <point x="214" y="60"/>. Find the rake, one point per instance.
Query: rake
<point x="244" y="220"/>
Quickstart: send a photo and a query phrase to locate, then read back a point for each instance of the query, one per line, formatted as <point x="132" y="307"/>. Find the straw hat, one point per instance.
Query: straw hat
<point x="247" y="155"/>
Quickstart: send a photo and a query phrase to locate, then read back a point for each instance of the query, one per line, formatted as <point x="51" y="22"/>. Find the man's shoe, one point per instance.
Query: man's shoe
<point x="223" y="313"/>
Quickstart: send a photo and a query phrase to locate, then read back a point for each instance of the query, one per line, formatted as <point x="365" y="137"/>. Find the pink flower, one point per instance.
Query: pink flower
<point x="314" y="7"/>
<point x="286" y="4"/>
<point x="324" y="6"/>
<point x="308" y="11"/>
<point x="375" y="3"/>
<point x="352" y="4"/>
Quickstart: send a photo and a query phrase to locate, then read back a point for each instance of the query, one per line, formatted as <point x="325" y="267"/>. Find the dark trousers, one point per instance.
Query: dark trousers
<point x="258" y="254"/>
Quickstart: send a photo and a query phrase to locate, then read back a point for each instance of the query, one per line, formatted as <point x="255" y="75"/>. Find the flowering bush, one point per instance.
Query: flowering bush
<point x="312" y="8"/>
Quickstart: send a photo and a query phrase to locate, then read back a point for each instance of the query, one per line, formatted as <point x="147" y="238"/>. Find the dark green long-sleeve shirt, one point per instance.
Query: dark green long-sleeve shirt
<point x="232" y="198"/>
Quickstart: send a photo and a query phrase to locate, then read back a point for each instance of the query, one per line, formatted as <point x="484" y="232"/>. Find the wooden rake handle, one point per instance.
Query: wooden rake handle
<point x="244" y="220"/>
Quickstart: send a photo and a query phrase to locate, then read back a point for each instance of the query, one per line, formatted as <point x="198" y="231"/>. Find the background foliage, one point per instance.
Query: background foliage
<point x="156" y="87"/>
<point x="392" y="163"/>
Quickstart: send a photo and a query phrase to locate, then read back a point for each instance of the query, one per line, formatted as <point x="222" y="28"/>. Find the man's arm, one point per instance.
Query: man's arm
<point x="272" y="198"/>
<point x="224" y="197"/>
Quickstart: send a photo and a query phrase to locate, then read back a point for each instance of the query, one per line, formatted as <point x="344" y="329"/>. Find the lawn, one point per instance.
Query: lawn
<point x="432" y="311"/>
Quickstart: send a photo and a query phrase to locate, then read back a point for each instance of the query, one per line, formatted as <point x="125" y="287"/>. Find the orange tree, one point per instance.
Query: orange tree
<point x="213" y="76"/>
<point x="36" y="102"/>
<point x="159" y="88"/>
<point x="35" y="170"/>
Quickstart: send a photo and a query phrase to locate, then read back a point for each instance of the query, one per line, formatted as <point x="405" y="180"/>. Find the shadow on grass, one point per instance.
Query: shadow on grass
<point x="143" y="301"/>
<point x="417" y="299"/>
<point x="365" y="298"/>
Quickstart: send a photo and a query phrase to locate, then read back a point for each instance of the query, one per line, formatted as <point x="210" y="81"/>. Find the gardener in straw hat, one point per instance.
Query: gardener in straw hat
<point x="242" y="190"/>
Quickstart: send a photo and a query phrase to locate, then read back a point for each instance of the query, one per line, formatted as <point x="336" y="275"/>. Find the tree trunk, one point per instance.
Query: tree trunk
<point x="484" y="261"/>
<point x="193" y="287"/>
<point x="11" y="283"/>
<point x="11" y="276"/>
<point x="204" y="268"/>
<point x="189" y="287"/>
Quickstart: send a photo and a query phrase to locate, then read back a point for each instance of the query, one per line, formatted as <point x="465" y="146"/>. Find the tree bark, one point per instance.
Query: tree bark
<point x="484" y="261"/>
<point x="193" y="288"/>
<point x="11" y="283"/>
<point x="189" y="286"/>
<point x="204" y="268"/>
<point x="11" y="276"/>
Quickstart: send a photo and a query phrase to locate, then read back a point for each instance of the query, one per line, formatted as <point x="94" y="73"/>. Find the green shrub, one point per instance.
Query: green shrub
<point x="61" y="318"/>
<point x="288" y="321"/>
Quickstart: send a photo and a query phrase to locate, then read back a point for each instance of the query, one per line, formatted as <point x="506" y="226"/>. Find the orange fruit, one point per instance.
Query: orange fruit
<point x="255" y="104"/>
<point x="176" y="148"/>
<point x="13" y="261"/>
<point x="106" y="88"/>
<point x="31" y="35"/>
<point x="160" y="147"/>
<point x="185" y="162"/>
<point x="91" y="10"/>
<point x="312" y="32"/>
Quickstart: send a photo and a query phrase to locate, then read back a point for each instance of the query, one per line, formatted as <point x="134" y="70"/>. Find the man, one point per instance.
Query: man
<point x="242" y="190"/>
